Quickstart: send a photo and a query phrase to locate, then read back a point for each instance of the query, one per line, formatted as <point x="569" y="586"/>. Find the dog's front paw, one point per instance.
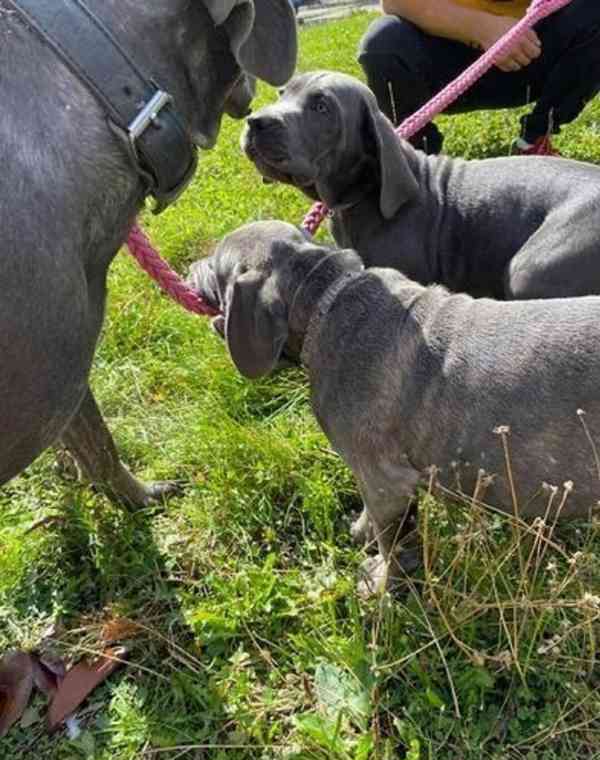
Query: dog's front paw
<point x="137" y="494"/>
<point x="362" y="530"/>
<point x="374" y="577"/>
<point x="380" y="575"/>
<point x="157" y="491"/>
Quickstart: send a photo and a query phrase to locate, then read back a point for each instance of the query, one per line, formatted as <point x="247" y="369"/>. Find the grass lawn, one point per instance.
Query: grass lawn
<point x="237" y="601"/>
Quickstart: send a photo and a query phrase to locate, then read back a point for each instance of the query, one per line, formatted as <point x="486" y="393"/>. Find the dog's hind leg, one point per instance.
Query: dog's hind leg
<point x="560" y="260"/>
<point x="388" y="492"/>
<point x="90" y="442"/>
<point x="361" y="530"/>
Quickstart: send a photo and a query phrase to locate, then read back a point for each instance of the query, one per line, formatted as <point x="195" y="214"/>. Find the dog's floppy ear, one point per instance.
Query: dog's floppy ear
<point x="271" y="49"/>
<point x="263" y="36"/>
<point x="256" y="325"/>
<point x="398" y="183"/>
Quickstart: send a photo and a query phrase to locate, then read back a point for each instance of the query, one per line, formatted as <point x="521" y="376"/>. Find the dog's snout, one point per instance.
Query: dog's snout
<point x="262" y="123"/>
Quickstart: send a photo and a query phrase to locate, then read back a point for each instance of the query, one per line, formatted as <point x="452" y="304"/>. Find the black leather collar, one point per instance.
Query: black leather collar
<point x="140" y="114"/>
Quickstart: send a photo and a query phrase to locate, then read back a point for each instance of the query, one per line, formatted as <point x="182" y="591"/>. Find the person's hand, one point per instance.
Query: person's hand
<point x="522" y="54"/>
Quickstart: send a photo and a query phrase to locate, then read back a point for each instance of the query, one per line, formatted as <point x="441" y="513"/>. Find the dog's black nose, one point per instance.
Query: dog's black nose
<point x="262" y="123"/>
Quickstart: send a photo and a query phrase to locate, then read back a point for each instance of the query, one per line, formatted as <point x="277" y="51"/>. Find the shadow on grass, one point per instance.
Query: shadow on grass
<point x="95" y="573"/>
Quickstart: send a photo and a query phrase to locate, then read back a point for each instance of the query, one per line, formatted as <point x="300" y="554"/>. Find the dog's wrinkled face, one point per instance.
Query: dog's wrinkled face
<point x="327" y="137"/>
<point x="261" y="247"/>
<point x="251" y="278"/>
<point x="298" y="139"/>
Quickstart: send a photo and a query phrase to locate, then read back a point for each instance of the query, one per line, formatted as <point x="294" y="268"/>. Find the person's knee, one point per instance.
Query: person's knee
<point x="578" y="22"/>
<point x="582" y="13"/>
<point x="390" y="35"/>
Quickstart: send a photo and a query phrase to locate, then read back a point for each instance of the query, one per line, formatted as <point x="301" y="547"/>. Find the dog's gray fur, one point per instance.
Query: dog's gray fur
<point x="70" y="195"/>
<point x="520" y="227"/>
<point x="404" y="377"/>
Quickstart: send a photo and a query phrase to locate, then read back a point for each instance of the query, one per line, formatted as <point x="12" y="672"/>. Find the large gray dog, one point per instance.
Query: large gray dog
<point x="70" y="193"/>
<point x="404" y="376"/>
<point x="520" y="227"/>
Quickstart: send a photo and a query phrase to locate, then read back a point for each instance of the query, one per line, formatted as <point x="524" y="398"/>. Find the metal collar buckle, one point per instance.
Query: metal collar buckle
<point x="147" y="116"/>
<point x="154" y="136"/>
<point x="136" y="129"/>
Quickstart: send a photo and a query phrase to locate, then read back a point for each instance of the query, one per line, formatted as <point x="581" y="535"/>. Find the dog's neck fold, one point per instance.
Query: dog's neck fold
<point x="360" y="181"/>
<point x="330" y="273"/>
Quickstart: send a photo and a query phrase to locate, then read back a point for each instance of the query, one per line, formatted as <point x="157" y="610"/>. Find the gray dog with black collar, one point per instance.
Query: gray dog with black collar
<point x="70" y="194"/>
<point x="520" y="227"/>
<point x="404" y="377"/>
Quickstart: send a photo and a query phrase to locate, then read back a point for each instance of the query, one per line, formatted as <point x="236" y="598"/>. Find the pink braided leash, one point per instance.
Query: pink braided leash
<point x="151" y="262"/>
<point x="538" y="10"/>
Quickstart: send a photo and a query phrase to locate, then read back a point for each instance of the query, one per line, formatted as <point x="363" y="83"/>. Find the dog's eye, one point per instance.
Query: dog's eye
<point x="320" y="105"/>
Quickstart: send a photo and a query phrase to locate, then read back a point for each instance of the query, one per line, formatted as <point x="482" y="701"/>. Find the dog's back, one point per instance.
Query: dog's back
<point x="415" y="374"/>
<point x="517" y="227"/>
<point x="471" y="218"/>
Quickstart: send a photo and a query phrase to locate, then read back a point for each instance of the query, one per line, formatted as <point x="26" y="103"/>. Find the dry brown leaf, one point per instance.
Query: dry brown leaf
<point x="16" y="684"/>
<point x="119" y="629"/>
<point x="54" y="664"/>
<point x="79" y="683"/>
<point x="48" y="674"/>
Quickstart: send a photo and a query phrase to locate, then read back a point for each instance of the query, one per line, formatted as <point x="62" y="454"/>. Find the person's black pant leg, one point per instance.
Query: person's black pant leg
<point x="400" y="70"/>
<point x="567" y="75"/>
<point x="405" y="67"/>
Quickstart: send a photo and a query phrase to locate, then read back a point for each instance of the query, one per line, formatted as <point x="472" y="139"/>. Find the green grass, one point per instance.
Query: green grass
<point x="249" y="640"/>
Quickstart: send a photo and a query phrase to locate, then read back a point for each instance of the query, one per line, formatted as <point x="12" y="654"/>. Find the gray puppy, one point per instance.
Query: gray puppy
<point x="404" y="377"/>
<point x="70" y="194"/>
<point x="521" y="227"/>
